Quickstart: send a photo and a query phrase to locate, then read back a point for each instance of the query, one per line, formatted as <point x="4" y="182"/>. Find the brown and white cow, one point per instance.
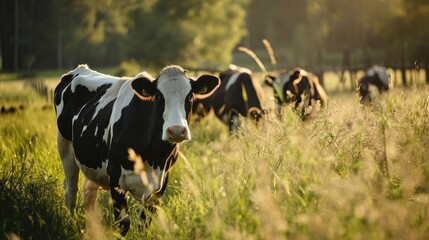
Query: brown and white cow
<point x="102" y="118"/>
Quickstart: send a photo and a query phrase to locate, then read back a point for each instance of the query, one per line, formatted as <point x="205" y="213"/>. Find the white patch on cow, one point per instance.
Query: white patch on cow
<point x="90" y="79"/>
<point x="110" y="95"/>
<point x="235" y="76"/>
<point x="232" y="80"/>
<point x="144" y="181"/>
<point x="381" y="72"/>
<point x="97" y="175"/>
<point x="60" y="106"/>
<point x="83" y="130"/>
<point x="105" y="134"/>
<point x="142" y="186"/>
<point x="124" y="97"/>
<point x="96" y="130"/>
<point x="174" y="86"/>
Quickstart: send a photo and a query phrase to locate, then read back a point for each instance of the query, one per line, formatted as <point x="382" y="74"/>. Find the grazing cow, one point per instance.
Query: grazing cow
<point x="297" y="86"/>
<point x="102" y="120"/>
<point x="11" y="109"/>
<point x="238" y="95"/>
<point x="376" y="80"/>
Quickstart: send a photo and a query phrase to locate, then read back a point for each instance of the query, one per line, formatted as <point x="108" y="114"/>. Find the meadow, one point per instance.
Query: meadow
<point x="348" y="172"/>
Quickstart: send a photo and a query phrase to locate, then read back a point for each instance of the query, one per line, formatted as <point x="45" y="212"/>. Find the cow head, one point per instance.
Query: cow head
<point x="174" y="92"/>
<point x="381" y="75"/>
<point x="278" y="83"/>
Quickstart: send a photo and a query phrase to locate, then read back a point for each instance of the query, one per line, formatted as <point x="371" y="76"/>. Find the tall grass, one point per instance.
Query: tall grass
<point x="324" y="178"/>
<point x="30" y="174"/>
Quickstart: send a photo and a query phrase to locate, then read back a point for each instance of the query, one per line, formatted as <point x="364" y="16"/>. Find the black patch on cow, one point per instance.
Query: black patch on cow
<point x="235" y="96"/>
<point x="303" y="86"/>
<point x="89" y="128"/>
<point x="224" y="102"/>
<point x="375" y="80"/>
<point x="140" y="128"/>
<point x="65" y="119"/>
<point x="64" y="83"/>
<point x="189" y="100"/>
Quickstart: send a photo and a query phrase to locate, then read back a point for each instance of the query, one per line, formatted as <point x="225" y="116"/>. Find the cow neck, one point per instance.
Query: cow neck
<point x="253" y="96"/>
<point x="150" y="146"/>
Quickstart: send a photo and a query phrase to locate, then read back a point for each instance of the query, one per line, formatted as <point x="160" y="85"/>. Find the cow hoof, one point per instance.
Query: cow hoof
<point x="124" y="225"/>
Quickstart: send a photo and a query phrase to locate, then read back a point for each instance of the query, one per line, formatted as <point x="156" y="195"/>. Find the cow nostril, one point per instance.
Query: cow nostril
<point x="177" y="133"/>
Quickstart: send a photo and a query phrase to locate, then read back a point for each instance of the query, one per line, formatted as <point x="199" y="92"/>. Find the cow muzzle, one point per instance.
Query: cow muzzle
<point x="177" y="134"/>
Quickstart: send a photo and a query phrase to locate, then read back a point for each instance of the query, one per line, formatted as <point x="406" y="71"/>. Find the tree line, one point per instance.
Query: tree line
<point x="351" y="34"/>
<point x="206" y="33"/>
<point x="63" y="33"/>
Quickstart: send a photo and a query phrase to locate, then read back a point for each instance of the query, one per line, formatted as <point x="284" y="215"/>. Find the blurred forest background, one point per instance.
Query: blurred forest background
<point x="205" y="34"/>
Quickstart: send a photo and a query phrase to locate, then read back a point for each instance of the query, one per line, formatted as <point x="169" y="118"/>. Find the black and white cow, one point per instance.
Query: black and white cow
<point x="296" y="86"/>
<point x="375" y="81"/>
<point x="239" y="94"/>
<point x="101" y="119"/>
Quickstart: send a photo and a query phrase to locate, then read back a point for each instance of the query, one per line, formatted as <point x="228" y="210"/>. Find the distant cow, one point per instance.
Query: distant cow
<point x="376" y="80"/>
<point x="238" y="95"/>
<point x="296" y="86"/>
<point x="5" y="110"/>
<point x="101" y="119"/>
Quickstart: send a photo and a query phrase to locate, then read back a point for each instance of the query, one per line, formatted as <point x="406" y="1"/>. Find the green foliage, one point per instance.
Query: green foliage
<point x="204" y="34"/>
<point x="192" y="33"/>
<point x="128" y="68"/>
<point x="30" y="177"/>
<point x="93" y="31"/>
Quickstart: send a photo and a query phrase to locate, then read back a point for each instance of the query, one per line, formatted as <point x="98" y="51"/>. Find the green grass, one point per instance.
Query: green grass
<point x="349" y="172"/>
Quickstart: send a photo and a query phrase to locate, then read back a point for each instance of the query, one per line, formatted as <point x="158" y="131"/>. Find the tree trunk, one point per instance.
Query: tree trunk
<point x="319" y="67"/>
<point x="16" y="40"/>
<point x="347" y="66"/>
<point x="403" y="72"/>
<point x="367" y="58"/>
<point x="426" y="67"/>
<point x="59" y="46"/>
<point x="403" y="67"/>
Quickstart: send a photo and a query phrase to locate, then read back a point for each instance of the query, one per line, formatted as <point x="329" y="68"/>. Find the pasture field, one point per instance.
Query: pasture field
<point x="348" y="172"/>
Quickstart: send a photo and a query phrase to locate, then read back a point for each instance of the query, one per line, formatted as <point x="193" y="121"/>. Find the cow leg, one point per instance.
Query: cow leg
<point x="120" y="205"/>
<point x="148" y="209"/>
<point x="144" y="217"/>
<point x="121" y="210"/>
<point x="71" y="171"/>
<point x="90" y="189"/>
<point x="234" y="121"/>
<point x="93" y="215"/>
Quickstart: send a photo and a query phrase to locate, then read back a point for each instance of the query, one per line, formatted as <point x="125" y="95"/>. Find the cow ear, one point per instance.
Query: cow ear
<point x="269" y="79"/>
<point x="296" y="74"/>
<point x="205" y="85"/>
<point x="144" y="88"/>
